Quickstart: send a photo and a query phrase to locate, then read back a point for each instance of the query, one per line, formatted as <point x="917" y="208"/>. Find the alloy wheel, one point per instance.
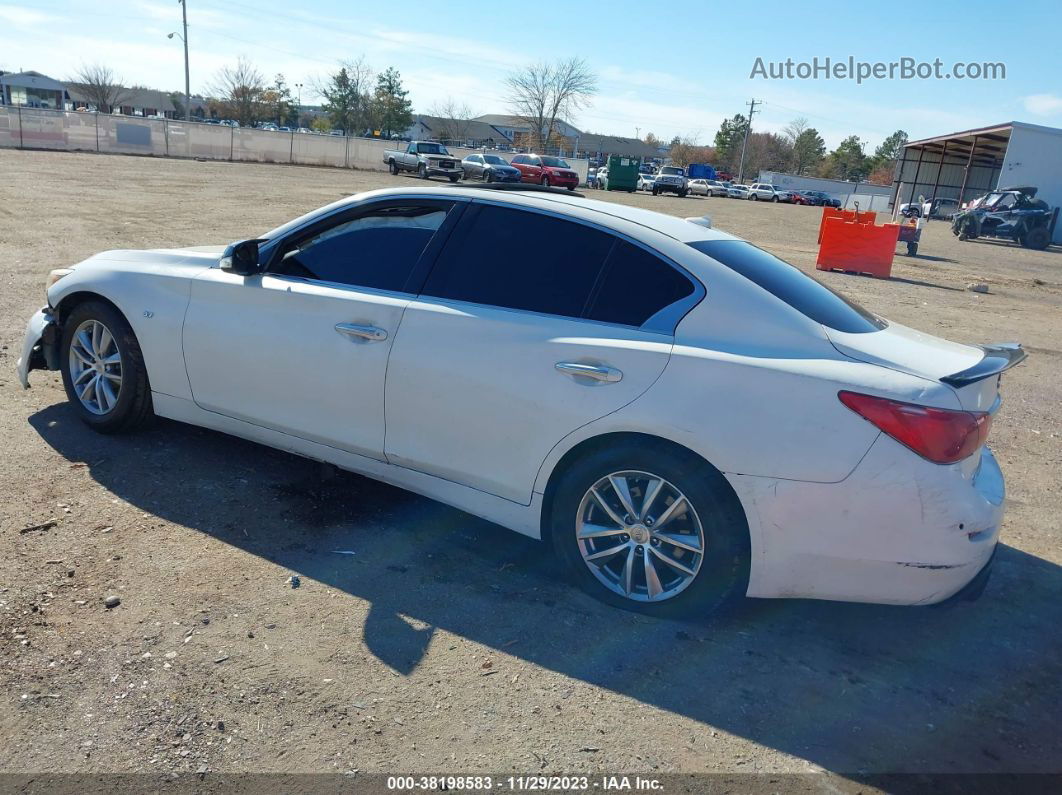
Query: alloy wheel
<point x="95" y="367"/>
<point x="640" y="536"/>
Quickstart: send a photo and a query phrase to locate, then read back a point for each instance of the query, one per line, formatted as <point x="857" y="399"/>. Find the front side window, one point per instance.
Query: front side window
<point x="494" y="160"/>
<point x="555" y="162"/>
<point x="518" y="259"/>
<point x="787" y="282"/>
<point x="377" y="249"/>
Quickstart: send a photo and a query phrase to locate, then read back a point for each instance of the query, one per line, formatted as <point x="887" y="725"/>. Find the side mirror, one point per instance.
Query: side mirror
<point x="242" y="258"/>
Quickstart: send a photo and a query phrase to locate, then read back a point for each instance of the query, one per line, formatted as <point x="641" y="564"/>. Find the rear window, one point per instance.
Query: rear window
<point x="787" y="282"/>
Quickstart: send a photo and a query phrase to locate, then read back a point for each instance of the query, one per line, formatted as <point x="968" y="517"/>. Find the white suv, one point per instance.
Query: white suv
<point x="767" y="192"/>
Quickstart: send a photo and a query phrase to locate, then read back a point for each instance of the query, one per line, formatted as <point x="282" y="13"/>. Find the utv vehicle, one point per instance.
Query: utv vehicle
<point x="1009" y="214"/>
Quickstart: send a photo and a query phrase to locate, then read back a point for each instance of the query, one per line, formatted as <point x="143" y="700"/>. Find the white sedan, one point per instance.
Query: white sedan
<point x="685" y="417"/>
<point x="646" y="181"/>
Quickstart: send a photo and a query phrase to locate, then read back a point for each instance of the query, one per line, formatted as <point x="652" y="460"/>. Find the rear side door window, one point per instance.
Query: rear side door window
<point x="518" y="259"/>
<point x="637" y="285"/>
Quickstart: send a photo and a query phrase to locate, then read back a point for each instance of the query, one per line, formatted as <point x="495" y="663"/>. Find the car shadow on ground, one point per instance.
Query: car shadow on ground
<point x="853" y="688"/>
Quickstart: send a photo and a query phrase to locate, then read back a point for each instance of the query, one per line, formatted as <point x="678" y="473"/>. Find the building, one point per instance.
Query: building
<point x="465" y="132"/>
<point x="599" y="147"/>
<point x="134" y="101"/>
<point x="36" y="90"/>
<point x="32" y="90"/>
<point x="964" y="165"/>
<point x="519" y="133"/>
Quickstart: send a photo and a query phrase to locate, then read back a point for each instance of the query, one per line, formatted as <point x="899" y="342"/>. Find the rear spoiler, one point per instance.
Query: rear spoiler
<point x="997" y="358"/>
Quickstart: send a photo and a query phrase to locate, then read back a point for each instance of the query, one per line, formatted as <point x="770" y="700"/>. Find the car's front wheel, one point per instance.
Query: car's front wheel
<point x="103" y="369"/>
<point x="651" y="528"/>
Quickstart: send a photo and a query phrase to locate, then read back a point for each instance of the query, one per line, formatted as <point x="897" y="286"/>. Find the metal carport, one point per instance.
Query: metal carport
<point x="967" y="164"/>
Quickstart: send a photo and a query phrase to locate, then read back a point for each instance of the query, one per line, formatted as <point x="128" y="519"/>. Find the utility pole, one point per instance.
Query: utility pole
<point x="187" y="91"/>
<point x="298" y="108"/>
<point x="745" y="141"/>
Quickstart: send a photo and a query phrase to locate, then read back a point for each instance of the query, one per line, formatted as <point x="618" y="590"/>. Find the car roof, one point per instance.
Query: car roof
<point x="669" y="225"/>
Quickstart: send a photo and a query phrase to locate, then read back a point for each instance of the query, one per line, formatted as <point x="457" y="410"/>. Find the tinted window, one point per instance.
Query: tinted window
<point x="555" y="162"/>
<point x="495" y="160"/>
<point x="792" y="285"/>
<point x="377" y="250"/>
<point x="520" y="260"/>
<point x="636" y="285"/>
<point x="519" y="159"/>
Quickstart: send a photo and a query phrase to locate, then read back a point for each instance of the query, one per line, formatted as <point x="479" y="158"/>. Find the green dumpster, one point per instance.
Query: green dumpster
<point x="623" y="173"/>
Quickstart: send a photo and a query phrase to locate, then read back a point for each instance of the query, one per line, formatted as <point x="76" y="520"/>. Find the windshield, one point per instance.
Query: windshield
<point x="494" y="160"/>
<point x="806" y="295"/>
<point x="554" y="162"/>
<point x="671" y="170"/>
<point x="432" y="149"/>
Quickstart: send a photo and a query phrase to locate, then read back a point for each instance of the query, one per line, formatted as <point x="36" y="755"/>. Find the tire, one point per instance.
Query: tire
<point x="683" y="194"/>
<point x="488" y="176"/>
<point x="912" y="249"/>
<point x="422" y="171"/>
<point x="656" y="192"/>
<point x="722" y="574"/>
<point x="545" y="182"/>
<point x="774" y="199"/>
<point x="394" y="168"/>
<point x="753" y="197"/>
<point x="454" y="178"/>
<point x="571" y="187"/>
<point x="132" y="408"/>
<point x="1037" y="238"/>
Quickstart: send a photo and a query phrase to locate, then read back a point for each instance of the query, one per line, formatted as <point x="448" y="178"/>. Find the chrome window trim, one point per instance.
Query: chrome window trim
<point x="267" y="250"/>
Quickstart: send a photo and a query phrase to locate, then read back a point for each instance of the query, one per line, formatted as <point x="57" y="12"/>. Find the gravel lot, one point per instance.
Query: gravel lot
<point x="443" y="643"/>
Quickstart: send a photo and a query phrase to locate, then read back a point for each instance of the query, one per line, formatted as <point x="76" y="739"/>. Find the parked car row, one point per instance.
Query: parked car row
<point x="431" y="159"/>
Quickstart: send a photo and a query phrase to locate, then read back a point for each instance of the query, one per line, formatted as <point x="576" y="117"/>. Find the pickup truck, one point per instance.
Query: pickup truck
<point x="427" y="158"/>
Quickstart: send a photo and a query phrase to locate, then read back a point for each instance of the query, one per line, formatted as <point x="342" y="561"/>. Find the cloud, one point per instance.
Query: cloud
<point x="22" y="17"/>
<point x="1043" y="104"/>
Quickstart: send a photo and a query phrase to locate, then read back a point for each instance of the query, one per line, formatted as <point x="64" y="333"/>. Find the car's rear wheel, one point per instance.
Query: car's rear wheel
<point x="1037" y="238"/>
<point x="649" y="528"/>
<point x="103" y="369"/>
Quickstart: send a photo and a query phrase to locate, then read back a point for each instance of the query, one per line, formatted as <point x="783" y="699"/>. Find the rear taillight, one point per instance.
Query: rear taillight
<point x="942" y="436"/>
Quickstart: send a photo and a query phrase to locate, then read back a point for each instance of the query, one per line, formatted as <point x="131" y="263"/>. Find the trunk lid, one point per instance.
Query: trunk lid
<point x="971" y="370"/>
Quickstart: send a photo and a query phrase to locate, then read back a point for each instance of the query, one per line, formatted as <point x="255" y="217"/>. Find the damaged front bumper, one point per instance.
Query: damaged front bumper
<point x="40" y="348"/>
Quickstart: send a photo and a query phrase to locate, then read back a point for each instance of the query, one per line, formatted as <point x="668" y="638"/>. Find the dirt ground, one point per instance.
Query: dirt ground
<point x="444" y="643"/>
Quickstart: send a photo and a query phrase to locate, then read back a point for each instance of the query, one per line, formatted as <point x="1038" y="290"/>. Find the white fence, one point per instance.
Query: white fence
<point x="73" y="131"/>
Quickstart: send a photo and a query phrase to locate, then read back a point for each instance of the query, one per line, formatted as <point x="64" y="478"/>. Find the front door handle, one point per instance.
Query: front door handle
<point x="608" y="375"/>
<point x="370" y="333"/>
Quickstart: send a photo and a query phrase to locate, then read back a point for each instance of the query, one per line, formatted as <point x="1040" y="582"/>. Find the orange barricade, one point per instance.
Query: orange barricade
<point x="857" y="247"/>
<point x="866" y="217"/>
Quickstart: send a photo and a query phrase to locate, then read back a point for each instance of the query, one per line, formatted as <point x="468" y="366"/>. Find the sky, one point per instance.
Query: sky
<point x="672" y="69"/>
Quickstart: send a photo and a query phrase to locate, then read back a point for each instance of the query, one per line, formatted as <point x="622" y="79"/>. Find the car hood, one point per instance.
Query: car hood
<point x="189" y="255"/>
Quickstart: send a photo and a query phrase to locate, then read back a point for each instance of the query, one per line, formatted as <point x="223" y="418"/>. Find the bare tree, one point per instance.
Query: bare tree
<point x="101" y="87"/>
<point x="795" y="128"/>
<point x="543" y="93"/>
<point x="454" y="119"/>
<point x="242" y="89"/>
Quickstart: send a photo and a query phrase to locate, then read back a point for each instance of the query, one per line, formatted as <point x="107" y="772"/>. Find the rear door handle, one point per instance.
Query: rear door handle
<point x="370" y="333"/>
<point x="608" y="375"/>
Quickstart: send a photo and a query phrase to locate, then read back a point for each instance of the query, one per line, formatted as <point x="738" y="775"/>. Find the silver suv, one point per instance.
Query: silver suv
<point x="671" y="179"/>
<point x="767" y="192"/>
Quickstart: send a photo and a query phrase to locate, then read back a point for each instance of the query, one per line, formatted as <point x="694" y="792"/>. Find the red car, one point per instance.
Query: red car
<point x="546" y="170"/>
